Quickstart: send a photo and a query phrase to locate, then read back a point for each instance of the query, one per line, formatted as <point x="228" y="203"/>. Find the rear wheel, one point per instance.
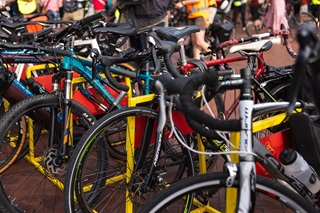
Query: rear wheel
<point x="123" y="181"/>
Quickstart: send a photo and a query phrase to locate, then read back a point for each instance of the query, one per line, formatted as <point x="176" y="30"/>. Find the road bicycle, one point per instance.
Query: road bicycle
<point x="295" y="20"/>
<point x="78" y="188"/>
<point x="203" y="190"/>
<point x="270" y="84"/>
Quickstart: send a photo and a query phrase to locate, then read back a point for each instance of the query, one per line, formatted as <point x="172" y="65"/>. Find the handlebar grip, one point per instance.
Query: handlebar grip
<point x="209" y="78"/>
<point x="185" y="86"/>
<point x="113" y="81"/>
<point x="43" y="32"/>
<point x="92" y="18"/>
<point x="307" y="38"/>
<point x="82" y="22"/>
<point x="57" y="51"/>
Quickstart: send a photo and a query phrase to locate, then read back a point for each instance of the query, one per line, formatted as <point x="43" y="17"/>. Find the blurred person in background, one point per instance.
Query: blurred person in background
<point x="52" y="9"/>
<point x="73" y="10"/>
<point x="143" y="16"/>
<point x="276" y="15"/>
<point x="239" y="6"/>
<point x="199" y="15"/>
<point x="315" y="9"/>
<point x="255" y="14"/>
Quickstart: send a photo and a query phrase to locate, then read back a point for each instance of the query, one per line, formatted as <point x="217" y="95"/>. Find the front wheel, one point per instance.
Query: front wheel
<point x="211" y="189"/>
<point x="120" y="183"/>
<point x="34" y="183"/>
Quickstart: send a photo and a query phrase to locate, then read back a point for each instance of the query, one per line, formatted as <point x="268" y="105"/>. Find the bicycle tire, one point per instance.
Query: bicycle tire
<point x="296" y="20"/>
<point x="23" y="188"/>
<point x="213" y="184"/>
<point x="17" y="139"/>
<point x="82" y="164"/>
<point x="279" y="93"/>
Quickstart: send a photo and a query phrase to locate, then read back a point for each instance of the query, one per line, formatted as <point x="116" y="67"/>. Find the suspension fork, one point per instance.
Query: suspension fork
<point x="66" y="117"/>
<point x="53" y="125"/>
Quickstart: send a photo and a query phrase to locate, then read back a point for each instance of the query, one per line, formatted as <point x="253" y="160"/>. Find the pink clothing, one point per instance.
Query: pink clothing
<point x="276" y="15"/>
<point x="53" y="5"/>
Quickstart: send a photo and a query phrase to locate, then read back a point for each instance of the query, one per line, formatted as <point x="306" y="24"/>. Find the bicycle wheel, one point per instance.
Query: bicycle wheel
<point x="296" y="20"/>
<point x="121" y="184"/>
<point x="16" y="138"/>
<point x="34" y="183"/>
<point x="279" y="92"/>
<point x="15" y="145"/>
<point x="211" y="189"/>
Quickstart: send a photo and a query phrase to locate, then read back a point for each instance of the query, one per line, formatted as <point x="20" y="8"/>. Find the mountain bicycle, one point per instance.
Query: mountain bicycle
<point x="51" y="166"/>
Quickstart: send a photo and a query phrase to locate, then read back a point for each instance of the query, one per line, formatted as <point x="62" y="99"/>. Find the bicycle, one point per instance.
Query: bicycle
<point x="221" y="28"/>
<point x="14" y="91"/>
<point x="271" y="83"/>
<point x="295" y="20"/>
<point x="204" y="187"/>
<point x="78" y="189"/>
<point x="52" y="153"/>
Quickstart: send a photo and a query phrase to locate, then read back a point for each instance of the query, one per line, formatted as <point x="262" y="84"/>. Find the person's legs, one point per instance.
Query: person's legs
<point x="77" y="15"/>
<point x="243" y="15"/>
<point x="57" y="18"/>
<point x="198" y="41"/>
<point x="235" y="14"/>
<point x="199" y="44"/>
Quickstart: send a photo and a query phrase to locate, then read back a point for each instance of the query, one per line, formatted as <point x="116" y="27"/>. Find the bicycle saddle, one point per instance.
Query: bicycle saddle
<point x="258" y="46"/>
<point x="124" y="29"/>
<point x="175" y="33"/>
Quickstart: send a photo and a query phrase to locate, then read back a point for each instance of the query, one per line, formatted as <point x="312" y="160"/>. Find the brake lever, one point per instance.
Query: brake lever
<point x="155" y="60"/>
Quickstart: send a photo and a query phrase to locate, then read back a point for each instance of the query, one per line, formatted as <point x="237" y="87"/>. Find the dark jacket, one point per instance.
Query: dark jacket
<point x="148" y="13"/>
